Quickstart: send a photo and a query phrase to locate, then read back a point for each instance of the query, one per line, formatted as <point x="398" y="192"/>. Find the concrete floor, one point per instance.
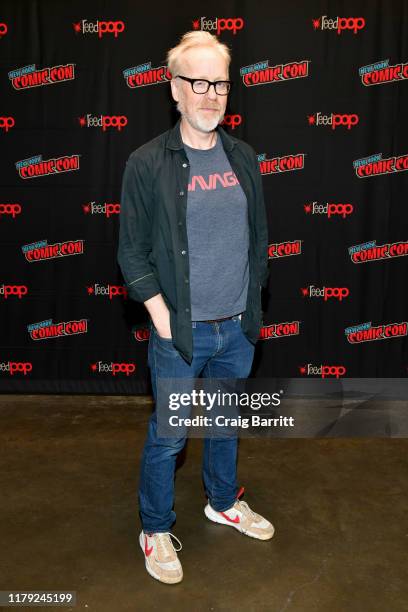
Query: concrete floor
<point x="69" y="520"/>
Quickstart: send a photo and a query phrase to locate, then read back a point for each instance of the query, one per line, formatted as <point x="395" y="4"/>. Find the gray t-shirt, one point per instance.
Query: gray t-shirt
<point x="217" y="233"/>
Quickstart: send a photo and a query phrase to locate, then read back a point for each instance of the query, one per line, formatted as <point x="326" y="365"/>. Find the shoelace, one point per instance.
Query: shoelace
<point x="163" y="542"/>
<point x="246" y="510"/>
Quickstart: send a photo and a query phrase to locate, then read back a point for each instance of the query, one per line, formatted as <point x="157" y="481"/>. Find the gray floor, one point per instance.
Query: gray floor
<point x="69" y="471"/>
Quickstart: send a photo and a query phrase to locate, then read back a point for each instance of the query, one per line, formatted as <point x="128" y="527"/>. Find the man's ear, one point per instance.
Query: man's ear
<point x="174" y="90"/>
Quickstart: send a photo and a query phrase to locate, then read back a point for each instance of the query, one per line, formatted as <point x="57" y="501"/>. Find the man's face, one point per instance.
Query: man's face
<point x="202" y="111"/>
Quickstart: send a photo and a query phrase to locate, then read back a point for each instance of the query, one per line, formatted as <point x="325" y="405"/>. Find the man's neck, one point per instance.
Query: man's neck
<point x="196" y="139"/>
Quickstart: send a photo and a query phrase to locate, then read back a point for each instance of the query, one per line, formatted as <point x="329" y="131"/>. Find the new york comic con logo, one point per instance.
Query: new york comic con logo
<point x="374" y="165"/>
<point x="279" y="164"/>
<point x="99" y="27"/>
<point x="339" y="24"/>
<point x="110" y="291"/>
<point x="36" y="166"/>
<point x="330" y="209"/>
<point x="261" y="73"/>
<point x="279" y="330"/>
<point x="334" y="120"/>
<point x="370" y="251"/>
<point x="143" y="75"/>
<point x="381" y="73"/>
<point x="365" y="332"/>
<point x="29" y="76"/>
<point x="45" y="330"/>
<point x="284" y="249"/>
<point x="42" y="251"/>
<point x="218" y="24"/>
<point x="324" y="371"/>
<point x="103" y="121"/>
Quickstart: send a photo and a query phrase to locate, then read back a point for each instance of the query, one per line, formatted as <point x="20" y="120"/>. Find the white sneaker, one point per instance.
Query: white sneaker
<point x="161" y="558"/>
<point x="241" y="517"/>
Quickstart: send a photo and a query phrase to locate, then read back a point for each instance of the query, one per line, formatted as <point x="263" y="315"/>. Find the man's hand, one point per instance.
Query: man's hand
<point x="160" y="315"/>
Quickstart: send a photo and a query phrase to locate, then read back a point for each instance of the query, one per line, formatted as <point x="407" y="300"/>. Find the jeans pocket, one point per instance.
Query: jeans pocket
<point x="161" y="337"/>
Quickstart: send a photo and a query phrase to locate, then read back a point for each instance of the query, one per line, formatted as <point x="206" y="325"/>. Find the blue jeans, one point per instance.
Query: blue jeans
<point x="220" y="350"/>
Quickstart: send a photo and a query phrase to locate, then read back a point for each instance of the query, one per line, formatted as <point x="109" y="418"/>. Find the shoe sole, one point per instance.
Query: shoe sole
<point x="216" y="518"/>
<point x="149" y="569"/>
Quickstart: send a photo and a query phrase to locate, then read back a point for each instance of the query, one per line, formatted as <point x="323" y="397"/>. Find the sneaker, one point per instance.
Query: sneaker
<point x="241" y="517"/>
<point x="161" y="557"/>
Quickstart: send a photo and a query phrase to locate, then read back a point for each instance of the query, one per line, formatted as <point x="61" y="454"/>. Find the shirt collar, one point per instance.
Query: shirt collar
<point x="175" y="142"/>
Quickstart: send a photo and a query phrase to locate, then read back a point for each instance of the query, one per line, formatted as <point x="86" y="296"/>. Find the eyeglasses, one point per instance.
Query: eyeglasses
<point x="201" y="86"/>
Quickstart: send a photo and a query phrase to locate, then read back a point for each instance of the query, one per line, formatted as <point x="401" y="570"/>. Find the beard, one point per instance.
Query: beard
<point x="198" y="121"/>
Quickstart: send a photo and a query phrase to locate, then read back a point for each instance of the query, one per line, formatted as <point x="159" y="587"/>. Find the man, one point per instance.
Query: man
<point x="193" y="249"/>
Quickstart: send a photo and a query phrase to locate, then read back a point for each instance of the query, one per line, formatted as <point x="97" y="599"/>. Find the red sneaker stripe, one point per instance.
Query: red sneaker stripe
<point x="234" y="520"/>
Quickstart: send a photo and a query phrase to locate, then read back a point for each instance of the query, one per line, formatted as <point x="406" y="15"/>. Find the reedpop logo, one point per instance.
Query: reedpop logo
<point x="6" y="123"/>
<point x="329" y="209"/>
<point x="113" y="368"/>
<point x="10" y="209"/>
<point x="107" y="209"/>
<point x="339" y="23"/>
<point x="18" y="290"/>
<point x="334" y="120"/>
<point x="326" y="293"/>
<point x="322" y="370"/>
<point x="218" y="24"/>
<point x="141" y="332"/>
<point x="103" y="121"/>
<point x="99" y="27"/>
<point x="16" y="367"/>
<point x="232" y="121"/>
<point x="110" y="290"/>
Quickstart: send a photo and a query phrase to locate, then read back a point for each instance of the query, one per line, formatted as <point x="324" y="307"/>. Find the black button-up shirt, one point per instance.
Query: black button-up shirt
<point x="153" y="246"/>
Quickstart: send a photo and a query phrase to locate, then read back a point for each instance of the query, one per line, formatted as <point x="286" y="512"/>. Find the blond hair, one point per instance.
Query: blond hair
<point x="195" y="38"/>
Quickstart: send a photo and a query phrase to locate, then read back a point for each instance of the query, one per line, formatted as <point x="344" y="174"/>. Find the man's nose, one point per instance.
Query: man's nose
<point x="211" y="93"/>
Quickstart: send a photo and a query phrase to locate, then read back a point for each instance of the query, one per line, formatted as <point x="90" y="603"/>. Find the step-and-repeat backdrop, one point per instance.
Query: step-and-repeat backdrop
<point x="321" y="93"/>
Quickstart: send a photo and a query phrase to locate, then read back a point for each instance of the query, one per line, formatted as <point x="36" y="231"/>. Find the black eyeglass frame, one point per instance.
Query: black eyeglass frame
<point x="214" y="83"/>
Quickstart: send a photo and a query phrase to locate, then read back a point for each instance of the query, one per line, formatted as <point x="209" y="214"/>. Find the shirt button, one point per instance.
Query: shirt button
<point x="180" y="223"/>
<point x="186" y="280"/>
<point x="187" y="310"/>
<point x="183" y="252"/>
<point x="181" y="193"/>
<point x="184" y="165"/>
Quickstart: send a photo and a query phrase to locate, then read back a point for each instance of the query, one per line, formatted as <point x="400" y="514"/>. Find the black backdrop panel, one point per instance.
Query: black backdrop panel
<point x="59" y="232"/>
